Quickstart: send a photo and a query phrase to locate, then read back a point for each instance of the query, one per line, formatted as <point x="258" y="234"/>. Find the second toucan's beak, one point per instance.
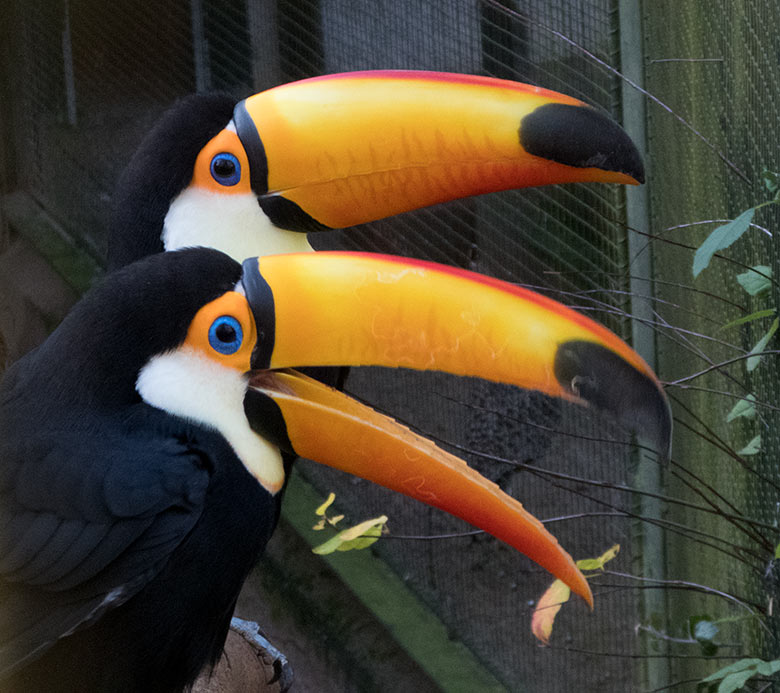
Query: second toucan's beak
<point x="362" y="309"/>
<point x="312" y="420"/>
<point x="345" y="149"/>
<point x="325" y="309"/>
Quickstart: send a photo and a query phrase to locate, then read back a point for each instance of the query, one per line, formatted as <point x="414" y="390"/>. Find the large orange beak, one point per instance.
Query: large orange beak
<point x="324" y="309"/>
<point x="345" y="149"/>
<point x="325" y="425"/>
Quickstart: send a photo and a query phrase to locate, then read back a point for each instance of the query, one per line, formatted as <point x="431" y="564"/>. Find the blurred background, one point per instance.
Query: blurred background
<point x="433" y="606"/>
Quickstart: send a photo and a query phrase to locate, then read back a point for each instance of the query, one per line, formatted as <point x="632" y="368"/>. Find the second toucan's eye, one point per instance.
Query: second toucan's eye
<point x="226" y="335"/>
<point x="225" y="169"/>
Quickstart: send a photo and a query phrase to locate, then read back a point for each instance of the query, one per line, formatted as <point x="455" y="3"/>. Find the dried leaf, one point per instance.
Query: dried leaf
<point x="547" y="609"/>
<point x="558" y="594"/>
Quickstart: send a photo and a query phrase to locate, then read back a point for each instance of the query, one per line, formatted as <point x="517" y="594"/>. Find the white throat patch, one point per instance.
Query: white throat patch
<point x="234" y="224"/>
<point x="188" y="384"/>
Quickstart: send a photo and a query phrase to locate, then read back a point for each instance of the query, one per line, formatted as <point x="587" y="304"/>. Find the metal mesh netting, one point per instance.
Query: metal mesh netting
<point x="559" y="239"/>
<point x="100" y="76"/>
<point x="90" y="80"/>
<point x="715" y="64"/>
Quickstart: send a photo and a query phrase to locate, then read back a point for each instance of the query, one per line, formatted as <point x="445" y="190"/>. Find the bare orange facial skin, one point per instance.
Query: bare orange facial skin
<point x="226" y="142"/>
<point x="202" y="332"/>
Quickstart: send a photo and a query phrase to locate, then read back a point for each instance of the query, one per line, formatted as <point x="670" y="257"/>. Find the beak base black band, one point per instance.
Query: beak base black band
<point x="253" y="146"/>
<point x="289" y="216"/>
<point x="266" y="419"/>
<point x="260" y="297"/>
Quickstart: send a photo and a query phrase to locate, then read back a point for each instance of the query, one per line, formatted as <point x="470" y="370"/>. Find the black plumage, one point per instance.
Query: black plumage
<point x="159" y="170"/>
<point x="118" y="521"/>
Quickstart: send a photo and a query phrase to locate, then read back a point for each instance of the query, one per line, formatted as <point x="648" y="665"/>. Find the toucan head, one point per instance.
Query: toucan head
<point x="212" y="342"/>
<point x="251" y="178"/>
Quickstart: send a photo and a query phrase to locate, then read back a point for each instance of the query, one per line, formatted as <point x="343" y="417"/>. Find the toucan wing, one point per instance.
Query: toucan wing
<point x="87" y="518"/>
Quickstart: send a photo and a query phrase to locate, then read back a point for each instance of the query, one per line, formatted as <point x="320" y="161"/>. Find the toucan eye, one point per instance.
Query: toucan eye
<point x="225" y="169"/>
<point x="226" y="335"/>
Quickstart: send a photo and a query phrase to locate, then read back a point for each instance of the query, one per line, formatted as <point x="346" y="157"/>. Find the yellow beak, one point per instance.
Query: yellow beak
<point x="324" y="309"/>
<point x="345" y="149"/>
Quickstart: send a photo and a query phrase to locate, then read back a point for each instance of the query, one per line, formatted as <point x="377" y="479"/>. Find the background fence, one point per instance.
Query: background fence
<point x="84" y="80"/>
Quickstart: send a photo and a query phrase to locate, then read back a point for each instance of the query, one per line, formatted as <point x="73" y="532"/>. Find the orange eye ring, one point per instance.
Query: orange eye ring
<point x="224" y="330"/>
<point x="222" y="166"/>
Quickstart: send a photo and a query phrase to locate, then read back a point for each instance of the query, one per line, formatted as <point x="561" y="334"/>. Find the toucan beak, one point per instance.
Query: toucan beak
<point x="334" y="308"/>
<point x="344" y="149"/>
<point x="318" y="422"/>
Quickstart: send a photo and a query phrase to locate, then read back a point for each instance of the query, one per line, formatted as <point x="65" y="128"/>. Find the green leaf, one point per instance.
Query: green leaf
<point x="771" y="180"/>
<point x="708" y="648"/>
<point x="767" y="312"/>
<point x="360" y="536"/>
<point x="744" y="408"/>
<point x="749" y="663"/>
<point x="768" y="668"/>
<point x="756" y="279"/>
<point x="721" y="238"/>
<point x="735" y="682"/>
<point x="705" y="631"/>
<point x="598" y="563"/>
<point x="777" y="551"/>
<point x="753" y="361"/>
<point x="753" y="447"/>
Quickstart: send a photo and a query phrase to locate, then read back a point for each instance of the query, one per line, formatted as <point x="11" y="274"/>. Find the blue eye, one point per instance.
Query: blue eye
<point x="225" y="169"/>
<point x="226" y="335"/>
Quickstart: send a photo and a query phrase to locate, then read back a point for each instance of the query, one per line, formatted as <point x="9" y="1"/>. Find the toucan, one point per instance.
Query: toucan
<point x="253" y="177"/>
<point x="142" y="443"/>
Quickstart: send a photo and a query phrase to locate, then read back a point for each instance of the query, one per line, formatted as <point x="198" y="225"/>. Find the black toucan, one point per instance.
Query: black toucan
<point x="331" y="152"/>
<point x="141" y="444"/>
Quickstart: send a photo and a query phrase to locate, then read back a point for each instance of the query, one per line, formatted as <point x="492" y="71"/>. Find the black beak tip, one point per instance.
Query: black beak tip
<point x="603" y="379"/>
<point x="580" y="136"/>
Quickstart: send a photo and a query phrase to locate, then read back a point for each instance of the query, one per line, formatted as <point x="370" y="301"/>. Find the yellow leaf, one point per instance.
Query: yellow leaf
<point x="358" y="537"/>
<point x="320" y="525"/>
<point x="335" y="520"/>
<point x="321" y="510"/>
<point x="360" y="529"/>
<point x="598" y="563"/>
<point x="547" y="609"/>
